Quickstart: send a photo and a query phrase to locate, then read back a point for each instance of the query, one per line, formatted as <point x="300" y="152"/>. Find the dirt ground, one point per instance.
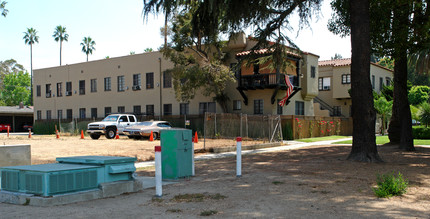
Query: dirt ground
<point x="45" y="148"/>
<point x="312" y="182"/>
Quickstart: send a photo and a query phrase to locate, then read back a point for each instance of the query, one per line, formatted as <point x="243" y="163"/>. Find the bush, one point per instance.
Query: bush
<point x="420" y="132"/>
<point x="389" y="185"/>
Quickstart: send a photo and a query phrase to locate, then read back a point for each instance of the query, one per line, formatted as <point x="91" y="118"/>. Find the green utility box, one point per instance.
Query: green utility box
<point x="176" y="153"/>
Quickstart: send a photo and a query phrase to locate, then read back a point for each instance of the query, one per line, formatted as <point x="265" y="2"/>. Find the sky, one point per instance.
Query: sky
<point x="118" y="28"/>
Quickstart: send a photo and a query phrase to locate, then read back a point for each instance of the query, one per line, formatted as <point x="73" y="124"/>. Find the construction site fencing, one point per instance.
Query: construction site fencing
<point x="270" y="128"/>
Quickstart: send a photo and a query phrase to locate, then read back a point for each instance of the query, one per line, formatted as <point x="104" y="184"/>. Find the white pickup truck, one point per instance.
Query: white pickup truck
<point x="109" y="125"/>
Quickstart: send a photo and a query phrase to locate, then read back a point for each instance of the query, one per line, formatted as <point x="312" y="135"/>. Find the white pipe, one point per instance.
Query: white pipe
<point x="193" y="173"/>
<point x="239" y="157"/>
<point x="158" y="180"/>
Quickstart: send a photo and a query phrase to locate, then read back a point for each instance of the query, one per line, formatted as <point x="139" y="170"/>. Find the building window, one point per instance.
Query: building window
<point x="38" y="91"/>
<point x="346" y="79"/>
<point x="82" y="87"/>
<point x="337" y="111"/>
<point x="94" y="113"/>
<point x="237" y="105"/>
<point x="279" y="108"/>
<point x="167" y="79"/>
<point x="300" y="108"/>
<point x="381" y="83"/>
<point x="167" y="108"/>
<point x="108" y="110"/>
<point x="373" y="82"/>
<point x="256" y="68"/>
<point x="82" y="113"/>
<point x="136" y="82"/>
<point x="150" y="80"/>
<point x="313" y="71"/>
<point x="108" y="84"/>
<point x="39" y="114"/>
<point x="121" y="109"/>
<point x="48" y="115"/>
<point x="137" y="109"/>
<point x="387" y="81"/>
<point x="258" y="106"/>
<point x="93" y="85"/>
<point x="149" y="109"/>
<point x="48" y="90"/>
<point x="121" y="83"/>
<point x="184" y="108"/>
<point x="69" y="88"/>
<point x="59" y="89"/>
<point x="209" y="107"/>
<point x="324" y="83"/>
<point x="69" y="114"/>
<point x="59" y="114"/>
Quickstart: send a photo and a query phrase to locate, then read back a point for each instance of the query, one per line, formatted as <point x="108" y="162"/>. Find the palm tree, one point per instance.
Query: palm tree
<point x="88" y="46"/>
<point x="3" y="9"/>
<point x="30" y="37"/>
<point x="60" y="35"/>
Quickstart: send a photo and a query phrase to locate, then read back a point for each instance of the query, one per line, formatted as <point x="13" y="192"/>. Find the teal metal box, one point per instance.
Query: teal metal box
<point x="176" y="153"/>
<point x="111" y="168"/>
<point x="48" y="179"/>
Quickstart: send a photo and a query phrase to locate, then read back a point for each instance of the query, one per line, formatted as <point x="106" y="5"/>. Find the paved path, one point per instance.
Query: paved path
<point x="288" y="145"/>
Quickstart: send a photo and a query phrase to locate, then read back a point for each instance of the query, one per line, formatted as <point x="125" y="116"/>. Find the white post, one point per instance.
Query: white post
<point x="239" y="157"/>
<point x="158" y="181"/>
<point x="193" y="173"/>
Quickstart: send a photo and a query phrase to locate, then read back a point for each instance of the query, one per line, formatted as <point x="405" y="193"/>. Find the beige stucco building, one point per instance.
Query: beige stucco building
<point x="335" y="81"/>
<point x="139" y="84"/>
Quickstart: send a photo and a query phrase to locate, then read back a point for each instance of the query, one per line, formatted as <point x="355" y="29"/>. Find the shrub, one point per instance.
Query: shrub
<point x="424" y="113"/>
<point x="389" y="185"/>
<point x="420" y="132"/>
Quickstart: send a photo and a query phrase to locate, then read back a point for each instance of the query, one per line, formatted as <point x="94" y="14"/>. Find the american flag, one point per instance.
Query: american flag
<point x="288" y="92"/>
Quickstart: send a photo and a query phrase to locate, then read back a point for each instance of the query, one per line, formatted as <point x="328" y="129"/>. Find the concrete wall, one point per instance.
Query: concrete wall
<point x="15" y="155"/>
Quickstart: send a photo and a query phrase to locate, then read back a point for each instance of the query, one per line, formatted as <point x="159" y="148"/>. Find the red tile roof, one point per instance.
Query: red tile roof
<point x="264" y="51"/>
<point x="344" y="62"/>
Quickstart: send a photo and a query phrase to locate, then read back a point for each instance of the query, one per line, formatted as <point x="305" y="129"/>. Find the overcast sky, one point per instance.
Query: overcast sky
<point x="118" y="28"/>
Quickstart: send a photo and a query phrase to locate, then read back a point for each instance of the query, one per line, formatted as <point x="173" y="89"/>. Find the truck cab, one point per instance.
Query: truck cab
<point x="110" y="125"/>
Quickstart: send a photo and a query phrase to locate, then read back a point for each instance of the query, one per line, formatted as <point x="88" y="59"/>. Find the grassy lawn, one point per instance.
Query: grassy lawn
<point x="384" y="140"/>
<point x="326" y="138"/>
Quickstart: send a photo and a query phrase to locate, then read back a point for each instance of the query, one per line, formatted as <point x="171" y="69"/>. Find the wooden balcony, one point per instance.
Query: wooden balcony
<point x="265" y="81"/>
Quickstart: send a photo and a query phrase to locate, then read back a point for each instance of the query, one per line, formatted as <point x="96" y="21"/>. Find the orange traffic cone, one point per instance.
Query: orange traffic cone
<point x="196" y="138"/>
<point x="82" y="134"/>
<point x="151" y="137"/>
<point x="117" y="135"/>
<point x="29" y="133"/>
<point x="57" y="135"/>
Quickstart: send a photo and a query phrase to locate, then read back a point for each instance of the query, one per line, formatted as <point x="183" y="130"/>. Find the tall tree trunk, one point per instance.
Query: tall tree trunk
<point x="61" y="43"/>
<point x="400" y="130"/>
<point x="87" y="57"/>
<point x="363" y="113"/>
<point x="31" y="78"/>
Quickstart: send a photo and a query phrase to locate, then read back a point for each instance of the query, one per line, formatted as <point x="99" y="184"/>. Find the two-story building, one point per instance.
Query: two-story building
<point x="334" y="83"/>
<point x="140" y="84"/>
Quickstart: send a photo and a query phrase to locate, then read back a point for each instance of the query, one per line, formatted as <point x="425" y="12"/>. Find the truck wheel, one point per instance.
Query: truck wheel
<point x="110" y="133"/>
<point x="131" y="137"/>
<point x="155" y="135"/>
<point x="94" y="136"/>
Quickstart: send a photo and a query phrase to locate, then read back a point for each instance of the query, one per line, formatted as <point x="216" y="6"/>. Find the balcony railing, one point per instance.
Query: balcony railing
<point x="262" y="81"/>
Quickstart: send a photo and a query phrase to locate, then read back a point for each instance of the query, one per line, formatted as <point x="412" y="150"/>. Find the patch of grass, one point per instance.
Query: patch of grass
<point x="326" y="138"/>
<point x="384" y="140"/>
<point x="277" y="182"/>
<point x="217" y="196"/>
<point x="208" y="213"/>
<point x="157" y="200"/>
<point x="174" y="210"/>
<point x="389" y="185"/>
<point x="197" y="197"/>
<point x="27" y="201"/>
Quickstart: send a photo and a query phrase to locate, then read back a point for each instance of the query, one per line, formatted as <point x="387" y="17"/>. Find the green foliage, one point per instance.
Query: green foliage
<point x="15" y="89"/>
<point x="148" y="50"/>
<point x="336" y="56"/>
<point x="3" y="9"/>
<point x="9" y="66"/>
<point x="30" y="37"/>
<point x="208" y="213"/>
<point x="414" y="112"/>
<point x="418" y="94"/>
<point x="424" y="113"/>
<point x="386" y="62"/>
<point x="44" y="128"/>
<point x="88" y="46"/>
<point x="420" y="132"/>
<point x="389" y="185"/>
<point x="383" y="108"/>
<point x="388" y="92"/>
